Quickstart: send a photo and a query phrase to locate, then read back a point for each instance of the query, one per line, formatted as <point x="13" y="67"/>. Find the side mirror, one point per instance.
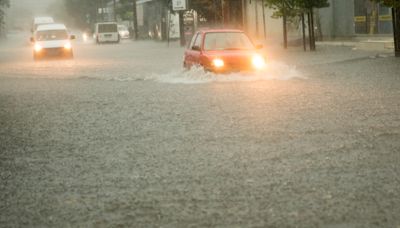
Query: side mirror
<point x="259" y="46"/>
<point x="72" y="37"/>
<point x="32" y="39"/>
<point x="196" y="48"/>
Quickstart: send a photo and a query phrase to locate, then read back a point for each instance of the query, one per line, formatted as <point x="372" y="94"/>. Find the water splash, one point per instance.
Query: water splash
<point x="274" y="71"/>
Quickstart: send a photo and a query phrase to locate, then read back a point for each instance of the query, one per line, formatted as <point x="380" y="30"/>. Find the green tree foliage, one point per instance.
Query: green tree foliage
<point x="389" y="3"/>
<point x="124" y="9"/>
<point x="292" y="8"/>
<point x="283" y="7"/>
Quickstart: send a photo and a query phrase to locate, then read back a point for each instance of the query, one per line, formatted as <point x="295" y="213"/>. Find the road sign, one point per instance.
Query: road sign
<point x="178" y="5"/>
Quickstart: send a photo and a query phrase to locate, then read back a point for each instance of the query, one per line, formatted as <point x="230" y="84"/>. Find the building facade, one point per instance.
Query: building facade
<point x="350" y="18"/>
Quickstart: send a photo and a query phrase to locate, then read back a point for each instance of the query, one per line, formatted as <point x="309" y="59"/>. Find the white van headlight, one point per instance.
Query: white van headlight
<point x="68" y="46"/>
<point x="38" y="47"/>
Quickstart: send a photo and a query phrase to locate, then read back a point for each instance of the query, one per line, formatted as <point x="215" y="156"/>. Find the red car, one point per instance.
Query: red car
<point x="223" y="50"/>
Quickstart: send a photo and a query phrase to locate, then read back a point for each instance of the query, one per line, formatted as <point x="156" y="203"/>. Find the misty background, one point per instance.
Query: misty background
<point x="21" y="12"/>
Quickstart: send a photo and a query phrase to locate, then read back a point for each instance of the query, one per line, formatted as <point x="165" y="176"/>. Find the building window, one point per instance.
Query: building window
<point x="371" y="18"/>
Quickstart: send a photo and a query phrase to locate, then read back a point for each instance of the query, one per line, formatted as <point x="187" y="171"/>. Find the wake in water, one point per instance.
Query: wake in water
<point x="273" y="71"/>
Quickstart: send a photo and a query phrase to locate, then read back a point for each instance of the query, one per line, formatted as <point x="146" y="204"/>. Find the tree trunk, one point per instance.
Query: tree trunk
<point x="263" y="12"/>
<point x="320" y="36"/>
<point x="285" y="43"/>
<point x="396" y="30"/>
<point x="134" y="20"/>
<point x="311" y="30"/>
<point x="303" y="31"/>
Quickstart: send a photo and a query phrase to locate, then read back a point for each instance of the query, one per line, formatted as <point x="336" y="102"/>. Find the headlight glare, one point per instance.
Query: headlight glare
<point x="67" y="46"/>
<point x="38" y="47"/>
<point x="218" y="63"/>
<point x="258" y="62"/>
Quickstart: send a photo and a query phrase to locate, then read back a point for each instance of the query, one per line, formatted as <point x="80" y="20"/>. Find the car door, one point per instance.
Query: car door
<point x="192" y="54"/>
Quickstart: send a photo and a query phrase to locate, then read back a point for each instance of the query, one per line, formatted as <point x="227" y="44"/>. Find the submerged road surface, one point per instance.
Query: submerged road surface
<point x="121" y="136"/>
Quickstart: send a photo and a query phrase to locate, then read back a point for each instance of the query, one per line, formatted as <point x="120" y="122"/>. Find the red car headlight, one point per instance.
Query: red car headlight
<point x="218" y="63"/>
<point x="258" y="62"/>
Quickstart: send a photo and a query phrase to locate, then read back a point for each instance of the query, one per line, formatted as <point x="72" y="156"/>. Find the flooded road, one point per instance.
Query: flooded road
<point x="127" y="61"/>
<point x="121" y="136"/>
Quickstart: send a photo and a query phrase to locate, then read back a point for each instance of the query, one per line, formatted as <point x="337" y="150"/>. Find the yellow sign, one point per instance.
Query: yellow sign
<point x="360" y="19"/>
<point x="385" y="17"/>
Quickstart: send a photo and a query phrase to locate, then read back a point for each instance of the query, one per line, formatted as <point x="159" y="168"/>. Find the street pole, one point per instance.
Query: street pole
<point x="168" y="27"/>
<point x="396" y="30"/>
<point x="102" y="10"/>
<point x="134" y="20"/>
<point x="182" y="28"/>
<point x="114" y="10"/>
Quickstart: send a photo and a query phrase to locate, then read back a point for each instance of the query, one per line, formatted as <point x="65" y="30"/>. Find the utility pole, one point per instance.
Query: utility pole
<point x="396" y="30"/>
<point x="182" y="28"/>
<point x="102" y="10"/>
<point x="114" y="10"/>
<point x="134" y="20"/>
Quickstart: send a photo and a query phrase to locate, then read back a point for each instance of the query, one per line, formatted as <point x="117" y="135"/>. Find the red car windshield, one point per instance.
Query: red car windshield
<point x="227" y="41"/>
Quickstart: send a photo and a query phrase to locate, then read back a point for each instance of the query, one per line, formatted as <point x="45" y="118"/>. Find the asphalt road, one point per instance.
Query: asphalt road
<point x="121" y="136"/>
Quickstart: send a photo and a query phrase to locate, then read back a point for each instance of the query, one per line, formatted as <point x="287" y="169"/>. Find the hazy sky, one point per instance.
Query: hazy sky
<point x="37" y="7"/>
<point x="21" y="12"/>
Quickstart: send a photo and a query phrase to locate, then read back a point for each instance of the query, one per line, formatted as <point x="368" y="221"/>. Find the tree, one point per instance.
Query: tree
<point x="395" y="4"/>
<point x="292" y="8"/>
<point x="308" y="7"/>
<point x="284" y="9"/>
<point x="3" y="4"/>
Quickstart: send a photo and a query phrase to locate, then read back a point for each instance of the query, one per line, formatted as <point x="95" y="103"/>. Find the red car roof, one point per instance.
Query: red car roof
<point x="219" y="30"/>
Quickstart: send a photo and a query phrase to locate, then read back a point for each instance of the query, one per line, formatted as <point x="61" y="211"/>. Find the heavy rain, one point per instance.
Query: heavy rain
<point x="199" y="113"/>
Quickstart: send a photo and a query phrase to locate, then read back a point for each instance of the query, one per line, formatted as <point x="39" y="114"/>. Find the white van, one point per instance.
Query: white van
<point x="41" y="21"/>
<point x="106" y="32"/>
<point x="52" y="40"/>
